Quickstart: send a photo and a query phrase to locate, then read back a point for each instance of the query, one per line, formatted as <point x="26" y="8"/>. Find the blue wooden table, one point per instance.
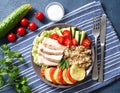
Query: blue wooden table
<point x="111" y="7"/>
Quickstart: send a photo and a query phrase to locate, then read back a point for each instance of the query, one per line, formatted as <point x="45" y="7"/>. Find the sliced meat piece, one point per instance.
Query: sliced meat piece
<point x="44" y="61"/>
<point x="49" y="51"/>
<point x="52" y="44"/>
<point x="53" y="58"/>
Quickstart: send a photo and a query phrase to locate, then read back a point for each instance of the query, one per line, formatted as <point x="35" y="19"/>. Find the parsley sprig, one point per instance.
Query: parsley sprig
<point x="10" y="71"/>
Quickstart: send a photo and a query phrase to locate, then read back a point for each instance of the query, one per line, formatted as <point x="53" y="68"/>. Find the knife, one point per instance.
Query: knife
<point x="102" y="43"/>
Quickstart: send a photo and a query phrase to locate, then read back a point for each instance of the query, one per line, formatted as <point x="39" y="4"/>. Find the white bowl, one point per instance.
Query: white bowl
<point x="54" y="11"/>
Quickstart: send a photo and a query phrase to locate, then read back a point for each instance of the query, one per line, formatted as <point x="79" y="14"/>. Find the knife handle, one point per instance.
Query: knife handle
<point x="95" y="65"/>
<point x="101" y="74"/>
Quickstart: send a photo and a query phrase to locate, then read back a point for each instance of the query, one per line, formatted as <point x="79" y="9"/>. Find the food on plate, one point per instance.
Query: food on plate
<point x="78" y="55"/>
<point x="64" y="54"/>
<point x="77" y="73"/>
<point x="12" y="19"/>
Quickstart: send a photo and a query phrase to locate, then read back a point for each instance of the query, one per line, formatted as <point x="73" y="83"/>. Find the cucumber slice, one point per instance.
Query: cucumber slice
<point x="77" y="73"/>
<point x="58" y="31"/>
<point x="67" y="28"/>
<point x="83" y="35"/>
<point x="77" y="36"/>
<point x="73" y="30"/>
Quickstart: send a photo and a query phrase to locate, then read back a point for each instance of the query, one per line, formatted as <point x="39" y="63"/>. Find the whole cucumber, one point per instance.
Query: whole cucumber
<point x="12" y="19"/>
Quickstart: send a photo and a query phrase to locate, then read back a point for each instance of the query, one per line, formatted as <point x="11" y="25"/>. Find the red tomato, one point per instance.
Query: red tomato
<point x="52" y="70"/>
<point x="69" y="76"/>
<point x="74" y="42"/>
<point x="32" y="26"/>
<point x="54" y="36"/>
<point x="12" y="37"/>
<point x="86" y="42"/>
<point x="21" y="31"/>
<point x="66" y="33"/>
<point x="42" y="72"/>
<point x="60" y="77"/>
<point x="67" y="41"/>
<point x="24" y="22"/>
<point x="60" y="39"/>
<point x="39" y="16"/>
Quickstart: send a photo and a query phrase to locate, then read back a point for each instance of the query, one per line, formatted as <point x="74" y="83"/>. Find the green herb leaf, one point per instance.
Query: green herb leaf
<point x="26" y="89"/>
<point x="21" y="59"/>
<point x="1" y="80"/>
<point x="5" y="49"/>
<point x="64" y="64"/>
<point x="11" y="70"/>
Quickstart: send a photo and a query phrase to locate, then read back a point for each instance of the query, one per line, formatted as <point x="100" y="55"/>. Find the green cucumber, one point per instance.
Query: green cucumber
<point x="9" y="22"/>
<point x="73" y="30"/>
<point x="77" y="36"/>
<point x="67" y="28"/>
<point x="58" y="31"/>
<point x="83" y="35"/>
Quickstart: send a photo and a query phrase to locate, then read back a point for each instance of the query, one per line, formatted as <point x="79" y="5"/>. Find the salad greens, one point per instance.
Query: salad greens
<point x="9" y="72"/>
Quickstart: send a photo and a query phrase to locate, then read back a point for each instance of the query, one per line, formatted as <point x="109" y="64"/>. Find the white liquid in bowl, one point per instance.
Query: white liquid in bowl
<point x="55" y="12"/>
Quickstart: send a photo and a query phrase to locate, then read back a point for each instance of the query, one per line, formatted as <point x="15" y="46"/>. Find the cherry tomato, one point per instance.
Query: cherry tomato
<point x="67" y="41"/>
<point x="21" y="31"/>
<point x="54" y="36"/>
<point x="39" y="16"/>
<point x="32" y="26"/>
<point x="52" y="70"/>
<point x="42" y="71"/>
<point x="74" y="42"/>
<point x="24" y="22"/>
<point x="12" y="37"/>
<point x="60" y="39"/>
<point x="69" y="76"/>
<point x="86" y="42"/>
<point x="60" y="77"/>
<point x="66" y="33"/>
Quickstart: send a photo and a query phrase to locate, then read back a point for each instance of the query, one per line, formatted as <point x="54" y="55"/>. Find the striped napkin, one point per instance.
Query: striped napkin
<point x="82" y="18"/>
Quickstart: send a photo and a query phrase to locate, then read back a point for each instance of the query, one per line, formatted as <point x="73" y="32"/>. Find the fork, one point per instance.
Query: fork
<point x="96" y="33"/>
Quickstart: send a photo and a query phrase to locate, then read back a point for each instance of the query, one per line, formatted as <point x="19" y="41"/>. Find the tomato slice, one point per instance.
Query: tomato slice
<point x="42" y="72"/>
<point x="54" y="36"/>
<point x="60" y="39"/>
<point x="67" y="41"/>
<point x="60" y="77"/>
<point x="74" y="42"/>
<point x="69" y="76"/>
<point x="52" y="70"/>
<point x="66" y="33"/>
<point x="86" y="42"/>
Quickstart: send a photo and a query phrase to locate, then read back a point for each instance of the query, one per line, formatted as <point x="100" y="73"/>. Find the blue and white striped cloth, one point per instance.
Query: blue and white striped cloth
<point x="82" y="18"/>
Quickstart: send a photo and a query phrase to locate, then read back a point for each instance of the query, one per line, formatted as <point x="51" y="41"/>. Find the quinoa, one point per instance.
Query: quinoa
<point x="78" y="55"/>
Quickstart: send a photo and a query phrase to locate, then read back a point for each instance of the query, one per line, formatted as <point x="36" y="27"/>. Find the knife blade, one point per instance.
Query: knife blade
<point x="102" y="43"/>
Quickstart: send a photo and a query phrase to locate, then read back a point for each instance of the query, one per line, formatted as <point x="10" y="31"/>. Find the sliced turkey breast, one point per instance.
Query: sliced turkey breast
<point x="44" y="61"/>
<point x="46" y="50"/>
<point x="53" y="58"/>
<point x="52" y="44"/>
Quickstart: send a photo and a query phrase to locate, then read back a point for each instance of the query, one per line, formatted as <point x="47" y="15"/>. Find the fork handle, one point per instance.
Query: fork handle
<point x="101" y="65"/>
<point x="95" y="66"/>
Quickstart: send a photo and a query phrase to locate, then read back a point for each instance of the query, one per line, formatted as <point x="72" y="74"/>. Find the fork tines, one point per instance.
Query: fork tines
<point x="96" y="22"/>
